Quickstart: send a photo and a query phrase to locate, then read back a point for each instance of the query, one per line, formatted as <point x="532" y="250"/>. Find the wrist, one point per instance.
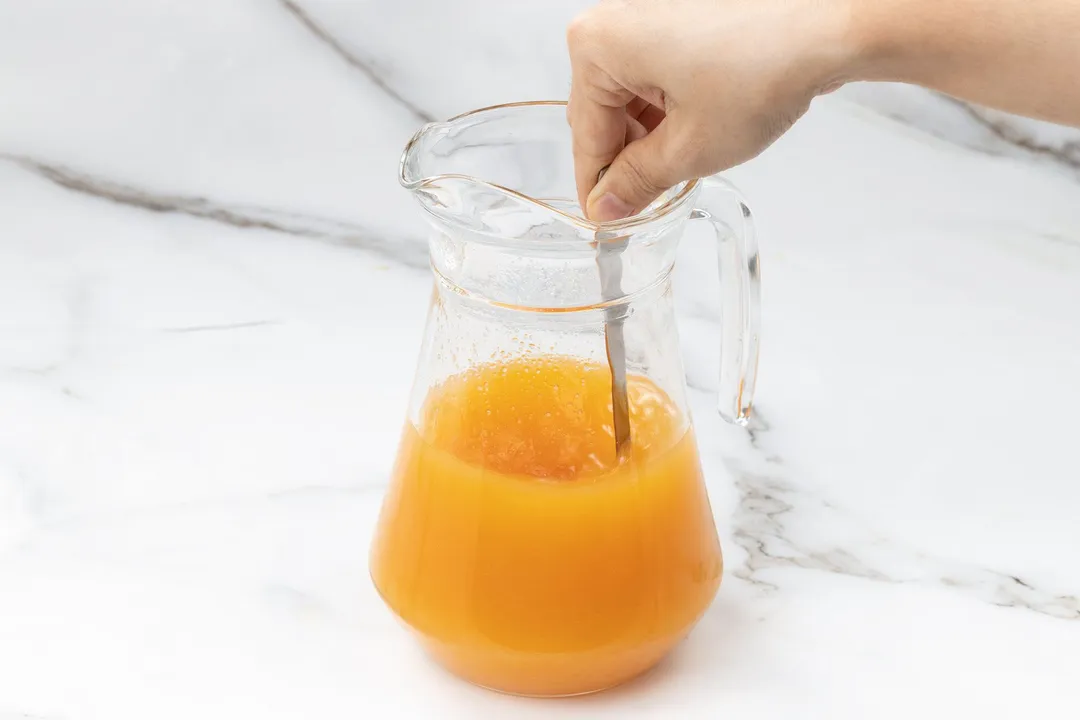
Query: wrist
<point x="898" y="40"/>
<point x="850" y="41"/>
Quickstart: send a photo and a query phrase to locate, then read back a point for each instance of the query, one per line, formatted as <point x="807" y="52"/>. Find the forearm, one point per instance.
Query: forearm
<point x="1020" y="56"/>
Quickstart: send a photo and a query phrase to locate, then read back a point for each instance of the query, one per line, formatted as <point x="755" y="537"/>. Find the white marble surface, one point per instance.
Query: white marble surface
<point x="211" y="296"/>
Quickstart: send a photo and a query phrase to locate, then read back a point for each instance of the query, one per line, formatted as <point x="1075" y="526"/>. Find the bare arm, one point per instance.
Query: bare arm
<point x="1021" y="56"/>
<point x="668" y="90"/>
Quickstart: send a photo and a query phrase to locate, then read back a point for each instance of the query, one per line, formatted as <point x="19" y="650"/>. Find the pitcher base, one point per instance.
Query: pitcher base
<point x="549" y="676"/>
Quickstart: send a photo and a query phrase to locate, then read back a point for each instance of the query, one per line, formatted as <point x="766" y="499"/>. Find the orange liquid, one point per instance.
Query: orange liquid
<point x="524" y="555"/>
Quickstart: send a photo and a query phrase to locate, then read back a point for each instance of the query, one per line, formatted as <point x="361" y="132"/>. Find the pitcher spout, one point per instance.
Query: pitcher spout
<point x="411" y="167"/>
<point x="508" y="171"/>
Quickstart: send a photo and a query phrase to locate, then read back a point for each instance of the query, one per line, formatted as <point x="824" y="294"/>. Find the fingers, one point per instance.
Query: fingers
<point x="629" y="140"/>
<point x="612" y="126"/>
<point x="599" y="134"/>
<point x="597" y="111"/>
<point x="634" y="131"/>
<point x="645" y="113"/>
<point x="637" y="176"/>
<point x="669" y="90"/>
<point x="597" y="140"/>
<point x="598" y="123"/>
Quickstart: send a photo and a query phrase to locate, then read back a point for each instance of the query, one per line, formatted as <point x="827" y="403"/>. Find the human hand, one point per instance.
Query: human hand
<point x="669" y="90"/>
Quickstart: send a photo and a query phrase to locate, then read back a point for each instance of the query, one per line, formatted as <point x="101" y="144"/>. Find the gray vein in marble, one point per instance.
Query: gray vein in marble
<point x="76" y="523"/>
<point x="77" y="301"/>
<point x="296" y="601"/>
<point x="759" y="530"/>
<point x="366" y="67"/>
<point x="33" y="494"/>
<point x="41" y="374"/>
<point x="35" y="370"/>
<point x="222" y="326"/>
<point x="755" y="429"/>
<point x="760" y="526"/>
<point x="1011" y="141"/>
<point x="1068" y="154"/>
<point x="1056" y="239"/>
<point x="405" y="251"/>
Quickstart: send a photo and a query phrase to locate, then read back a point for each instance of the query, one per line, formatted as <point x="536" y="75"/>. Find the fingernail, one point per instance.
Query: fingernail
<point x="609" y="208"/>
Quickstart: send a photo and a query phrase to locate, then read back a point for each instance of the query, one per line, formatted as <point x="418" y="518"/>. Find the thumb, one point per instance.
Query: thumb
<point x="637" y="176"/>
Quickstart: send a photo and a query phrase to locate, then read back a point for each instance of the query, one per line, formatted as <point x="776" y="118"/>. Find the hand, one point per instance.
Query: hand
<point x="669" y="90"/>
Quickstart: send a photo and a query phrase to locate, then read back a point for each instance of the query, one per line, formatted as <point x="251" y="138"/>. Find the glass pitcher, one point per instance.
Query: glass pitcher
<point x="526" y="551"/>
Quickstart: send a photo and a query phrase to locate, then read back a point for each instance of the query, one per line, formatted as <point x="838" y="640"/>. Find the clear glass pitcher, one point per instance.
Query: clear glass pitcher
<point x="528" y="553"/>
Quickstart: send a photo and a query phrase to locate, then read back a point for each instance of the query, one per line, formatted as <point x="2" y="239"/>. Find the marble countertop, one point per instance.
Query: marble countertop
<point x="211" y="297"/>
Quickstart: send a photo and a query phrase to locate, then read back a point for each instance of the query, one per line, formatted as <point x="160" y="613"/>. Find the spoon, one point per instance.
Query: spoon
<point x="610" y="265"/>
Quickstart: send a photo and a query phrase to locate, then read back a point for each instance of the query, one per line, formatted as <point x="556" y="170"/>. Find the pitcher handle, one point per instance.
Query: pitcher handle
<point x="740" y="298"/>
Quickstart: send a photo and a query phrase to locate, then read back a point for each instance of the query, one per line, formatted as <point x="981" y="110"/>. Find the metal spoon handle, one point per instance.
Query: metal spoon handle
<point x="610" y="264"/>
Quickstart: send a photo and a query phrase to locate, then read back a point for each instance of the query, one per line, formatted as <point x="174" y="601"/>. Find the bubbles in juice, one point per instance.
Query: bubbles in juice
<point x="526" y="557"/>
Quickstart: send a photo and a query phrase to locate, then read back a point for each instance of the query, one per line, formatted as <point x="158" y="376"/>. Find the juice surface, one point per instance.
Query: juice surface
<point x="526" y="557"/>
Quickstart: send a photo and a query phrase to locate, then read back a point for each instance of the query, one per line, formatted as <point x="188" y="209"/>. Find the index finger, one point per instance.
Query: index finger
<point x="598" y="124"/>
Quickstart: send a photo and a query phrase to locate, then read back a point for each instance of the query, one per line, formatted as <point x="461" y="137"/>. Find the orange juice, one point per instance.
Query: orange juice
<point x="524" y="554"/>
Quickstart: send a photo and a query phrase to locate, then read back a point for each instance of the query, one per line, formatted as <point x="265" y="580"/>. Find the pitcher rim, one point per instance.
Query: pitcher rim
<point x="576" y="220"/>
